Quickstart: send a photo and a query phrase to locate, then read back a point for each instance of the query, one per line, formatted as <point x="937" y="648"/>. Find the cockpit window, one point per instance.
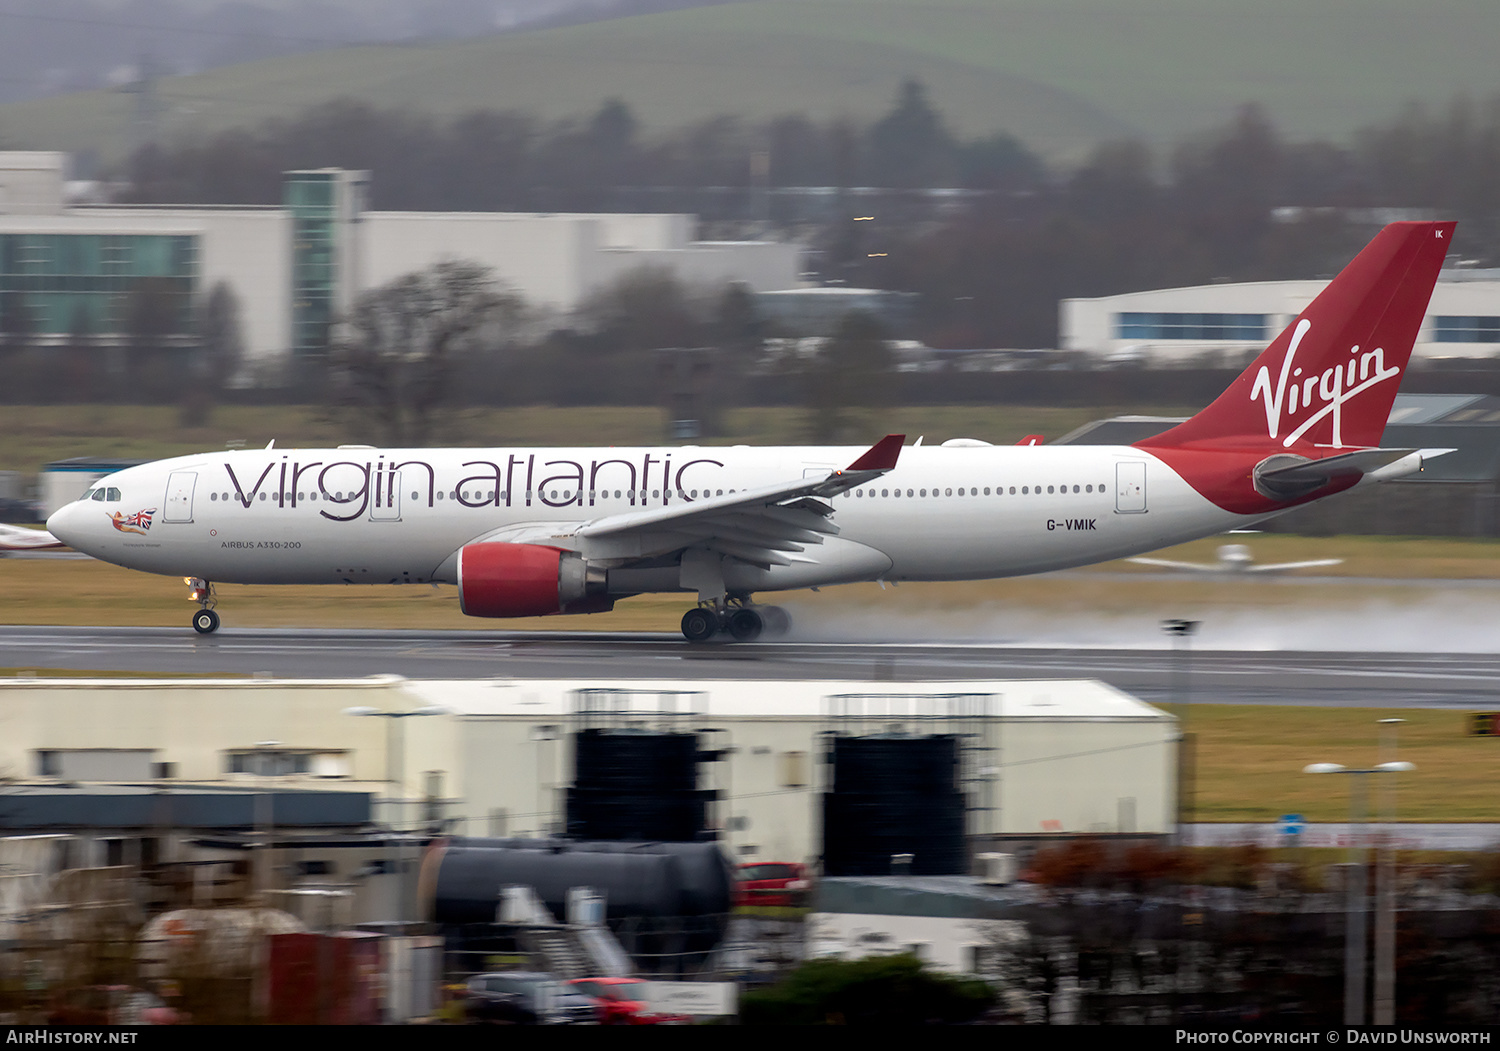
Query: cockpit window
<point x="114" y="495"/>
<point x="99" y="494"/>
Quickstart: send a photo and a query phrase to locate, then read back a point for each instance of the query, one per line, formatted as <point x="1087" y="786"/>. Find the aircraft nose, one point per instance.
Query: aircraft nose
<point x="64" y="523"/>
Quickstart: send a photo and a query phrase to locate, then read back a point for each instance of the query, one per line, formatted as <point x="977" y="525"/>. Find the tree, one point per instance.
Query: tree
<point x="647" y="308"/>
<point x="851" y="370"/>
<point x="156" y="313"/>
<point x="217" y="359"/>
<point x="909" y="146"/>
<point x="403" y="342"/>
<point x="221" y="345"/>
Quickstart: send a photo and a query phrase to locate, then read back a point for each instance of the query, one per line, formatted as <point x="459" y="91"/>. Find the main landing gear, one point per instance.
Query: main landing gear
<point x="205" y="621"/>
<point x="742" y="623"/>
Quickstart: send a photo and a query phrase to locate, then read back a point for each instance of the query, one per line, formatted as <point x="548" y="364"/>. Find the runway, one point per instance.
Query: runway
<point x="1341" y="679"/>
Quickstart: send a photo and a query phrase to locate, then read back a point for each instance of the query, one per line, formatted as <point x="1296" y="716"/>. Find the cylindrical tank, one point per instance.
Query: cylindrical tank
<point x="462" y="879"/>
<point x="894" y="794"/>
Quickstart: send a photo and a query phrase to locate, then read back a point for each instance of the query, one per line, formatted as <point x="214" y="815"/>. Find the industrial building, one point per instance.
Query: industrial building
<point x="771" y="770"/>
<point x="416" y="825"/>
<point x="68" y="269"/>
<point x="1224" y="322"/>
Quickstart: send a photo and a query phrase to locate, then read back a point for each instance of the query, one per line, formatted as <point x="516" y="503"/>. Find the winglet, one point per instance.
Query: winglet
<point x="881" y="456"/>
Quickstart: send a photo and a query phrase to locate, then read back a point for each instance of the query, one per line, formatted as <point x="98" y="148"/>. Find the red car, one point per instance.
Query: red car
<point x="621" y="1001"/>
<point x="771" y="883"/>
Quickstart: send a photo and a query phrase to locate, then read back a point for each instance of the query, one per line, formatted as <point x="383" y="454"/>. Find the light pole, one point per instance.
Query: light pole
<point x="1355" y="903"/>
<point x="395" y="772"/>
<point x="395" y="777"/>
<point x="1181" y="633"/>
<point x="1385" y="888"/>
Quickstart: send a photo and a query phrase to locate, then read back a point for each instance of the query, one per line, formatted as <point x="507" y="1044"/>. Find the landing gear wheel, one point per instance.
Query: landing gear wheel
<point x="699" y="624"/>
<point x="745" y="624"/>
<point x="205" y="622"/>
<point x="777" y="621"/>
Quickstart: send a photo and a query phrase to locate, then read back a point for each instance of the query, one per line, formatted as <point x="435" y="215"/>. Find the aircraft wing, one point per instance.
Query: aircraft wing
<point x="1166" y="563"/>
<point x="17" y="538"/>
<point x="771" y="525"/>
<point x="1282" y="567"/>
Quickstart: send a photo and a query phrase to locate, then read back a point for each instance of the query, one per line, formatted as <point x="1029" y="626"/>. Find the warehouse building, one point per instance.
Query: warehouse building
<point x="783" y="771"/>
<point x="70" y="269"/>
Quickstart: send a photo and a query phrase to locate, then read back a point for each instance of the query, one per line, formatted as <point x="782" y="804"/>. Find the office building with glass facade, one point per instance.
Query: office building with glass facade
<point x="1229" y="321"/>
<point x="71" y="269"/>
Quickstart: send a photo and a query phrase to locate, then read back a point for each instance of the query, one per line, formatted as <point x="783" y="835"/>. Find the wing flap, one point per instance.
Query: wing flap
<point x="764" y="526"/>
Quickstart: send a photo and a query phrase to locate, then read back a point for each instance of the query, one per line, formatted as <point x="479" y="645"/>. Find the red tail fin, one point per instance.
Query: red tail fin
<point x="1330" y="378"/>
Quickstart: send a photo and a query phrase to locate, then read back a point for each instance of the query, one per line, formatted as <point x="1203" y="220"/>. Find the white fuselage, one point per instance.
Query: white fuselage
<point x="359" y="515"/>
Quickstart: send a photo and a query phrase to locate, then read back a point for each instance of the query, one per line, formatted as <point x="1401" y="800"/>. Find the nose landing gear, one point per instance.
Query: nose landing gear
<point x="742" y="623"/>
<point x="205" y="621"/>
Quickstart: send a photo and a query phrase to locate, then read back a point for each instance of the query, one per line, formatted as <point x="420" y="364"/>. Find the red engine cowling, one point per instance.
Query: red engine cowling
<point x="528" y="580"/>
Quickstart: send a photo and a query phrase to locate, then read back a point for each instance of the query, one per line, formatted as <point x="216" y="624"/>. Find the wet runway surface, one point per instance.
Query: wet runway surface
<point x="1357" y="679"/>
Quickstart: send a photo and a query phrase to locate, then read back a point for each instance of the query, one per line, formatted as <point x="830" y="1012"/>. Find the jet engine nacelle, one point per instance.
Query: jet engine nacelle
<point x="528" y="580"/>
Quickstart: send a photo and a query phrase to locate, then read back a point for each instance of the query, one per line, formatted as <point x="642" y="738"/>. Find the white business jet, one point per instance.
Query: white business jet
<point x="19" y="538"/>
<point x="1235" y="559"/>
<point x="528" y="532"/>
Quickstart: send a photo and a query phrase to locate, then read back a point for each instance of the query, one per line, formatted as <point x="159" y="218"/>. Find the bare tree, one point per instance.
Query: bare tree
<point x="402" y="343"/>
<point x="852" y="371"/>
<point x="221" y="344"/>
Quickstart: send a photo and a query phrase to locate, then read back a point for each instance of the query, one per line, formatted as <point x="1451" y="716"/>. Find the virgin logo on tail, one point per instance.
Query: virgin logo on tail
<point x="1337" y="384"/>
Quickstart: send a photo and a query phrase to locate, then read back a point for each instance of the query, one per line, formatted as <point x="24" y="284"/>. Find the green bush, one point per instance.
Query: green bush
<point x="878" y="990"/>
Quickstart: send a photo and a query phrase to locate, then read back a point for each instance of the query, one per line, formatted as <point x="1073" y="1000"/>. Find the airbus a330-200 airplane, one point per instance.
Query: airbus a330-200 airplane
<point x="528" y="532"/>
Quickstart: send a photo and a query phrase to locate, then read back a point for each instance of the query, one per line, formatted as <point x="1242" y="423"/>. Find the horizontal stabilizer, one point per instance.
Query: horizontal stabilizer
<point x="1286" y="476"/>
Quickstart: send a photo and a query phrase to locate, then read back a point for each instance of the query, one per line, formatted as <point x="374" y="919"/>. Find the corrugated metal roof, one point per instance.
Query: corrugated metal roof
<point x="1013" y="699"/>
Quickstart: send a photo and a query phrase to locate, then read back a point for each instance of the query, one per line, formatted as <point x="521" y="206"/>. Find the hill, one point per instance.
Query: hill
<point x="1059" y="74"/>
